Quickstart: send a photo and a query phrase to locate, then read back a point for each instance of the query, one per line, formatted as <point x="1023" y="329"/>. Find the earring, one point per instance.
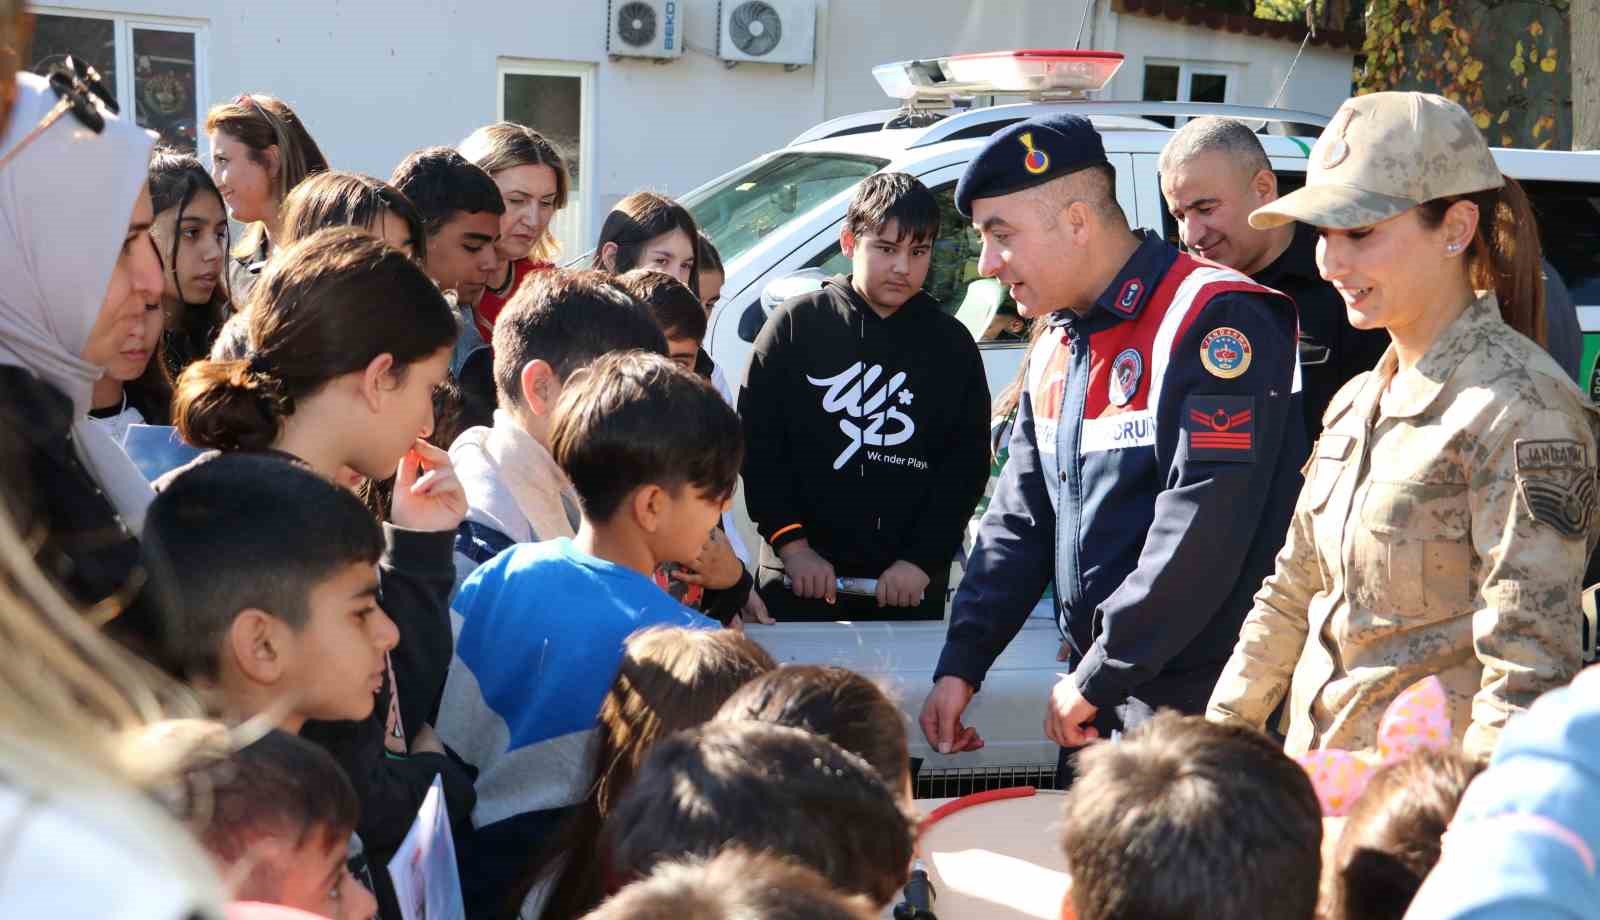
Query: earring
<point x="1453" y="248"/>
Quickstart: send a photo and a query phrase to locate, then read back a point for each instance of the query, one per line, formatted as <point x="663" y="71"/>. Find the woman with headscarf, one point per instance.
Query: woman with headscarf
<point x="77" y="271"/>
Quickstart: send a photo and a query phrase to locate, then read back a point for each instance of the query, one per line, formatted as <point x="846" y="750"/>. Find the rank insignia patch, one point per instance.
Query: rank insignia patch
<point x="1220" y="427"/>
<point x="1225" y="352"/>
<point x="1558" y="483"/>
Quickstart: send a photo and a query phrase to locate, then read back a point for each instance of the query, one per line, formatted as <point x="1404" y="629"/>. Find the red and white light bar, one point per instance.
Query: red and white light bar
<point x="1029" y="71"/>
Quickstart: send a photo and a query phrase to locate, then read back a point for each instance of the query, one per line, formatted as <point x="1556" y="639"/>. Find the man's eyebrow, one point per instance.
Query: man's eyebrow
<point x="993" y="222"/>
<point x="1199" y="202"/>
<point x="481" y="237"/>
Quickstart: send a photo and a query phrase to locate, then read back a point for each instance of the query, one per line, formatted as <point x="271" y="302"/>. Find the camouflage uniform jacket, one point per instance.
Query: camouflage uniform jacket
<point x="1442" y="529"/>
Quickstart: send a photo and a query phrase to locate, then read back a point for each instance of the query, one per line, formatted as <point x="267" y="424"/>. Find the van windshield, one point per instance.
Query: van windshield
<point x="742" y="209"/>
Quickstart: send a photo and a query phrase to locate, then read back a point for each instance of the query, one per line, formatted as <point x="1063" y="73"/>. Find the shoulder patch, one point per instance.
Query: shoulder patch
<point x="1126" y="371"/>
<point x="1225" y="352"/>
<point x="1220" y="428"/>
<point x="1557" y="480"/>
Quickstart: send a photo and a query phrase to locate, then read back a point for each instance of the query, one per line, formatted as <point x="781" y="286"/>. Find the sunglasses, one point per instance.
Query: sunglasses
<point x="80" y="87"/>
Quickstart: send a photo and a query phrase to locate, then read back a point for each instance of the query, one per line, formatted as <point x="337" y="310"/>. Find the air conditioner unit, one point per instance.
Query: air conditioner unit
<point x="644" y="28"/>
<point x="767" y="31"/>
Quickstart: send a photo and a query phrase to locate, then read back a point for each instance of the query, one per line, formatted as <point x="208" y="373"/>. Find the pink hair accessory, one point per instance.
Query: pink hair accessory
<point x="1417" y="720"/>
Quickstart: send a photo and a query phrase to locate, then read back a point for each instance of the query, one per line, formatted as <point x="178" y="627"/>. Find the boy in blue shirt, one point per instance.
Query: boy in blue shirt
<point x="653" y="453"/>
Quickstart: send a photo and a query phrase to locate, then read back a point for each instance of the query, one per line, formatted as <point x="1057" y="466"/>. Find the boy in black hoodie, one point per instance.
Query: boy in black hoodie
<point x="866" y="417"/>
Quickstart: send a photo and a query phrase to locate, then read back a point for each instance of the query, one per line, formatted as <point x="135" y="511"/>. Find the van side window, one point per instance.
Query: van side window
<point x="983" y="305"/>
<point x="1569" y="231"/>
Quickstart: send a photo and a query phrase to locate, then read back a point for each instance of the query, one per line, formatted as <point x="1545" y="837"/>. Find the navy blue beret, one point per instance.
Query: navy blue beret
<point x="1029" y="153"/>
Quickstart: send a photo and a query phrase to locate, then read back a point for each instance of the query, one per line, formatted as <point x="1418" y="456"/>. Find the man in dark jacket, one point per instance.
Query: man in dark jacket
<point x="1214" y="172"/>
<point x="1154" y="461"/>
<point x="866" y="417"/>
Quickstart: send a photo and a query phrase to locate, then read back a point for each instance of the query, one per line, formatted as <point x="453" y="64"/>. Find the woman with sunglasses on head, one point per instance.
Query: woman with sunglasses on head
<point x="259" y="152"/>
<point x="191" y="236"/>
<point x="1450" y="504"/>
<point x="533" y="180"/>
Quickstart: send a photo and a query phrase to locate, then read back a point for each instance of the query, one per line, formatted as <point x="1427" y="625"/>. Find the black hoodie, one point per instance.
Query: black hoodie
<point x="871" y="434"/>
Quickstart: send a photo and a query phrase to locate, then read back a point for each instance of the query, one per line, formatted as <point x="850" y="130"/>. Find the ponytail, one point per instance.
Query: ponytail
<point x="226" y="406"/>
<point x="1505" y="256"/>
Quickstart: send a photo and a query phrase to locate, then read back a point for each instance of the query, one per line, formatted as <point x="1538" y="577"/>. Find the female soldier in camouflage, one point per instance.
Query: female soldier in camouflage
<point x="1449" y="506"/>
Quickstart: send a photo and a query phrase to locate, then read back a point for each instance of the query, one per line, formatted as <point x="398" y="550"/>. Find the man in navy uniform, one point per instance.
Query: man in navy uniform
<point x="1154" y="462"/>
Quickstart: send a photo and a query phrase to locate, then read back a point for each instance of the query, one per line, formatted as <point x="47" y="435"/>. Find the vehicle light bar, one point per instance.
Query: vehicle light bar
<point x="1032" y="72"/>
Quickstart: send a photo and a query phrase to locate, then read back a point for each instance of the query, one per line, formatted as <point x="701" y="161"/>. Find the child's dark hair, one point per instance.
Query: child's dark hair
<point x="894" y="196"/>
<point x="324" y="307"/>
<point x="768" y="788"/>
<point x="706" y="256"/>
<point x="635" y="221"/>
<point x="677" y="310"/>
<point x="567" y="319"/>
<point x="243" y="531"/>
<point x="636" y="419"/>
<point x="1392" y="837"/>
<point x="836" y="703"/>
<point x="279" y="787"/>
<point x="442" y="182"/>
<point x="1186" y="818"/>
<point x="346" y="199"/>
<point x="735" y="885"/>
<point x="176" y="177"/>
<point x="260" y="121"/>
<point x="670" y="679"/>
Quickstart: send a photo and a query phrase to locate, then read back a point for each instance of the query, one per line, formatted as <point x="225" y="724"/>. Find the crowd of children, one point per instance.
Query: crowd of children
<point x="460" y="516"/>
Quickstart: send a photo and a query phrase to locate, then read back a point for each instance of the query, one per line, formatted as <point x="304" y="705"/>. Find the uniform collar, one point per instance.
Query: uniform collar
<point x="1415" y="390"/>
<point x="1126" y="296"/>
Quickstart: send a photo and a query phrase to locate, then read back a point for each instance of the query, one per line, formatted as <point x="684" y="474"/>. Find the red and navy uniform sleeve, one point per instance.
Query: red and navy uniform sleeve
<point x="1222" y="434"/>
<point x="1011" y="563"/>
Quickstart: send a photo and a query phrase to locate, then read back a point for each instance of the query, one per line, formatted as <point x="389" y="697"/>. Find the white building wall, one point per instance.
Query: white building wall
<point x="375" y="79"/>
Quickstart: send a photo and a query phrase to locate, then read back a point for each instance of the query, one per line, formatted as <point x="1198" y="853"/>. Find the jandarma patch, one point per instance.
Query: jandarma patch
<point x="1558" y="483"/>
<point x="1225" y="352"/>
<point x="1126" y="372"/>
<point x="1036" y="161"/>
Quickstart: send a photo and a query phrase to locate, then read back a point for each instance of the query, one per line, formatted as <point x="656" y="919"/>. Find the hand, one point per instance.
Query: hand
<point x="810" y="575"/>
<point x="1067" y="715"/>
<point x="902" y="585"/>
<point x="433" y="502"/>
<point x="427" y="741"/>
<point x="941" y="717"/>
<point x="755" y="611"/>
<point x="716" y="568"/>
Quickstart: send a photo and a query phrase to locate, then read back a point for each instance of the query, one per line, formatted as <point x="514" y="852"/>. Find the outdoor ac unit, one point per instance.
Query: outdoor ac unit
<point x="767" y="31"/>
<point x="644" y="28"/>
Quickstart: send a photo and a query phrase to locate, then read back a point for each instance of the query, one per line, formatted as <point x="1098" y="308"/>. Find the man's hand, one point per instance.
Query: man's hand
<point x="902" y="585"/>
<point x="716" y="568"/>
<point x="941" y="717"/>
<point x="810" y="575"/>
<point x="435" y="501"/>
<point x="1067" y="715"/>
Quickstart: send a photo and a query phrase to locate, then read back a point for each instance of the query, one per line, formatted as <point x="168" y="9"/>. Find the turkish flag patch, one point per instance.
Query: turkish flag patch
<point x="1221" y="427"/>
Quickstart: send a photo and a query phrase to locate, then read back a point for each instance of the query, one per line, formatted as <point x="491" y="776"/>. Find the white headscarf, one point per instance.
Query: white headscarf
<point x="64" y="206"/>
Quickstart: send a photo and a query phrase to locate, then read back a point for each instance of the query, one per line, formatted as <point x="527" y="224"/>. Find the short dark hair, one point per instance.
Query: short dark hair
<point x="732" y="886"/>
<point x="567" y="318"/>
<point x="636" y="418"/>
<point x="1394" y="833"/>
<point x="894" y="196"/>
<point x="441" y="182"/>
<point x="767" y="788"/>
<point x="1186" y="818"/>
<point x="280" y="786"/>
<point x="706" y="256"/>
<point x="244" y="531"/>
<point x="677" y="310"/>
<point x="836" y="703"/>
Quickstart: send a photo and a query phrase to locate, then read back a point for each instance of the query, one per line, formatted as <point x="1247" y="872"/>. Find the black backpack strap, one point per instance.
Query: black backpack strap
<point x="480" y="543"/>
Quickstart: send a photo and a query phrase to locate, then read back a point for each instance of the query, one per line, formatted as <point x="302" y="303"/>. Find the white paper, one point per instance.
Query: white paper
<point x="423" y="870"/>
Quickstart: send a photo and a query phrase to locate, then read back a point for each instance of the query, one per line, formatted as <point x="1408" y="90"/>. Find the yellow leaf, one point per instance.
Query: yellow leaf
<point x="1517" y="66"/>
<point x="1505" y="116"/>
<point x="1481" y="119"/>
<point x="1471" y="72"/>
<point x="1505" y="140"/>
<point x="1546" y="143"/>
<point x="1548" y="65"/>
<point x="1536" y="29"/>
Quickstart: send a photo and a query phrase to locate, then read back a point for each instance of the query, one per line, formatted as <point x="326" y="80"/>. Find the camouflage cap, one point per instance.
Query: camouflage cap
<point x="1382" y="155"/>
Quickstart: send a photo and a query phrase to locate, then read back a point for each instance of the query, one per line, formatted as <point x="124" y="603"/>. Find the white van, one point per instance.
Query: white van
<point x="776" y="223"/>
